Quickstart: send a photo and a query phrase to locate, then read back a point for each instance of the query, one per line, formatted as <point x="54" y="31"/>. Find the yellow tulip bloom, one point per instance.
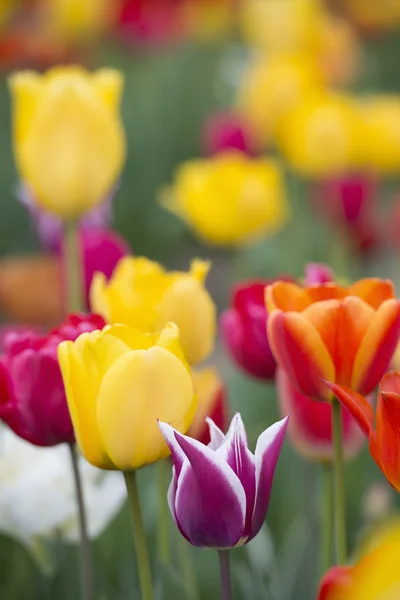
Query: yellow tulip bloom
<point x="375" y="576"/>
<point x="323" y="135"/>
<point x="283" y="25"/>
<point x="143" y="295"/>
<point x="69" y="142"/>
<point x="382" y="117"/>
<point x="230" y="199"/>
<point x="272" y="85"/>
<point x="118" y="382"/>
<point x="78" y="19"/>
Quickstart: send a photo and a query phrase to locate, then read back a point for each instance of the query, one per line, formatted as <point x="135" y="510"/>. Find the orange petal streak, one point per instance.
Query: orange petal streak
<point x="342" y="326"/>
<point x="300" y="351"/>
<point x="377" y="347"/>
<point x="286" y="296"/>
<point x="372" y="291"/>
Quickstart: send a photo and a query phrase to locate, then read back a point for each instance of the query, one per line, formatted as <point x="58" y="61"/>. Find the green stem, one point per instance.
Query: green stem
<point x="339" y="499"/>
<point x="86" y="555"/>
<point x="187" y="568"/>
<point x="225" y="571"/>
<point x="139" y="536"/>
<point x="73" y="267"/>
<point x="163" y="511"/>
<point x="326" y="516"/>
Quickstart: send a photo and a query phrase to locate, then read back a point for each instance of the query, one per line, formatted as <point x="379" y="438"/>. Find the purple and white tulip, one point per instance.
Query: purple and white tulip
<point x="219" y="494"/>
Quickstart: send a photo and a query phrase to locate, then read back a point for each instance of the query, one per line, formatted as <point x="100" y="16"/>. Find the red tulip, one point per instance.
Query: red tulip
<point x="244" y="330"/>
<point x="227" y="131"/>
<point x="310" y="426"/>
<point x="32" y="397"/>
<point x="383" y="428"/>
<point x="335" y="583"/>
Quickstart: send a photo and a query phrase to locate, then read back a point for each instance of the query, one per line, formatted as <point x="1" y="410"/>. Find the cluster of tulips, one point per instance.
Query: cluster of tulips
<point x="119" y="380"/>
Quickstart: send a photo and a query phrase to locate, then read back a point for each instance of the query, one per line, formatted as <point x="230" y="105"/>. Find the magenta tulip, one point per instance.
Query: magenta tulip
<point x="32" y="397"/>
<point x="219" y="493"/>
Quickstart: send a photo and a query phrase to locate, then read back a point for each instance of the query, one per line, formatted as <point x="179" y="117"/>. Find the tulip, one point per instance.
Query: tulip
<point x="384" y="438"/>
<point x="382" y="119"/>
<point x="118" y="382"/>
<point x="318" y="273"/>
<point x="344" y="335"/>
<point x="212" y="403"/>
<point x="149" y="20"/>
<point x="227" y="131"/>
<point x="68" y="138"/>
<point x="310" y="427"/>
<point x="74" y="20"/>
<point x="230" y="199"/>
<point x="350" y="202"/>
<point x="219" y="493"/>
<point x="375" y="575"/>
<point x="32" y="397"/>
<point x="323" y="120"/>
<point x="272" y="87"/>
<point x="243" y="330"/>
<point x="143" y="295"/>
<point x="36" y="491"/>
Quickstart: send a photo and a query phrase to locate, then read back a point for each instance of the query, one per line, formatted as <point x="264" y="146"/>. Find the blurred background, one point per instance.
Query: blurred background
<point x="313" y="85"/>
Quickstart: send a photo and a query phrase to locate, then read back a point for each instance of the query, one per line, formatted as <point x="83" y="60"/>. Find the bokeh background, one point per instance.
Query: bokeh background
<point x="178" y="74"/>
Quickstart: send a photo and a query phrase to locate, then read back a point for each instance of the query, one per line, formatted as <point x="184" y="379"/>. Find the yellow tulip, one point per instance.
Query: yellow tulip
<point x="375" y="576"/>
<point x="69" y="142"/>
<point x="283" y="25"/>
<point x="323" y="135"/>
<point x="230" y="199"/>
<point x="118" y="382"/>
<point x="382" y="117"/>
<point x="272" y="85"/>
<point x="78" y="19"/>
<point x="143" y="295"/>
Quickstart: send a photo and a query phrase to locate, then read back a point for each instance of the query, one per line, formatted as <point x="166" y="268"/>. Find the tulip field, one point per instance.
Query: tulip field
<point x="200" y="300"/>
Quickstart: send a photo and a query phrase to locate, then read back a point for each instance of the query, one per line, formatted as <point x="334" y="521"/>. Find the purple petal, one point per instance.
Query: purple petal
<point x="268" y="448"/>
<point x="177" y="454"/>
<point x="236" y="453"/>
<point x="217" y="436"/>
<point x="210" y="500"/>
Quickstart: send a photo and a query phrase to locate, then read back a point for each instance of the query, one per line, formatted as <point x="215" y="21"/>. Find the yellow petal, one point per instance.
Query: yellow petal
<point x="83" y="364"/>
<point x="25" y="91"/>
<point x="141" y="387"/>
<point x="109" y="83"/>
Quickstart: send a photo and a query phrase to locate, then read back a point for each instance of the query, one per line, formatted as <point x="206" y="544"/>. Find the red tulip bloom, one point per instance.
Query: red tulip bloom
<point x="383" y="428"/>
<point x="310" y="425"/>
<point x="244" y="330"/>
<point x="336" y="583"/>
<point x="227" y="131"/>
<point x="32" y="397"/>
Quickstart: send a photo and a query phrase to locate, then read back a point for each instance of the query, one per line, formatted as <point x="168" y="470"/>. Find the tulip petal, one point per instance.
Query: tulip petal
<point x="357" y="405"/>
<point x="268" y="449"/>
<point x="377" y="347"/>
<point x="390" y="382"/>
<point x="300" y="351"/>
<point x="341" y="325"/>
<point x="177" y="454"/>
<point x="286" y="296"/>
<point x="141" y="387"/>
<point x="216" y="435"/>
<point x="388" y="436"/>
<point x="373" y="291"/>
<point x="235" y="452"/>
<point x="210" y="500"/>
<point x="326" y="291"/>
<point x="335" y="583"/>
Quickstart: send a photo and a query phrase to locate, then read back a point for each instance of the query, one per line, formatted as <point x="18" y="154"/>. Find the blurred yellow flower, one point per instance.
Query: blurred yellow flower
<point x="283" y="25"/>
<point x="69" y="142"/>
<point x="373" y="14"/>
<point x="382" y="117"/>
<point x="206" y="19"/>
<point x="230" y="199"/>
<point x="376" y="575"/>
<point x="78" y="19"/>
<point x="340" y="53"/>
<point x="118" y="382"/>
<point x="143" y="295"/>
<point x="274" y="84"/>
<point x="323" y="135"/>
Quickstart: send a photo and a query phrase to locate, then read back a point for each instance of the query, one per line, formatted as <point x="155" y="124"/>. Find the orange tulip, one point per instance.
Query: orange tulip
<point x="384" y="437"/>
<point x="325" y="331"/>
